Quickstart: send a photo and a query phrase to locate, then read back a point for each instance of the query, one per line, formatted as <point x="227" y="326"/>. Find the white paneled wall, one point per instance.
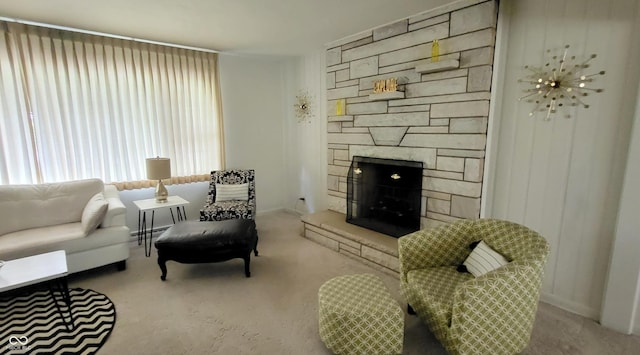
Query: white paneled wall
<point x="305" y="154"/>
<point x="563" y="177"/>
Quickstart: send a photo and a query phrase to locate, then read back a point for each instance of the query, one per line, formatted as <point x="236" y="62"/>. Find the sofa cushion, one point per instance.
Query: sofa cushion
<point x="226" y="210"/>
<point x="40" y="205"/>
<point x="68" y="237"/>
<point x="94" y="213"/>
<point x="38" y="240"/>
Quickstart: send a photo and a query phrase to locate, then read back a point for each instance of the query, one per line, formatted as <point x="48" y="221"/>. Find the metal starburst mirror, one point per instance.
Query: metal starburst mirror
<point x="557" y="84"/>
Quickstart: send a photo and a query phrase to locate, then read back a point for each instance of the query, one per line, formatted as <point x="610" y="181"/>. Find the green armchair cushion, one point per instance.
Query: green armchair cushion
<point x="434" y="289"/>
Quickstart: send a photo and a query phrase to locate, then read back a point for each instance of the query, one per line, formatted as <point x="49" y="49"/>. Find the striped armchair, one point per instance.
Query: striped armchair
<point x="236" y="200"/>
<point x="490" y="314"/>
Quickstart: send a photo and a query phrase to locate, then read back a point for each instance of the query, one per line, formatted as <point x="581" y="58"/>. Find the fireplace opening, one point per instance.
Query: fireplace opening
<point x="384" y="195"/>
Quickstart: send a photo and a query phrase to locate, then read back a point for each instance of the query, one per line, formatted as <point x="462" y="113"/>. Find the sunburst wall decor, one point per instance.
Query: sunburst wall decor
<point x="558" y="83"/>
<point x="303" y="106"/>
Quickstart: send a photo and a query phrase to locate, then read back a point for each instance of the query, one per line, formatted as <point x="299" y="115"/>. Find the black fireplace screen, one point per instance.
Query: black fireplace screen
<point x="384" y="195"/>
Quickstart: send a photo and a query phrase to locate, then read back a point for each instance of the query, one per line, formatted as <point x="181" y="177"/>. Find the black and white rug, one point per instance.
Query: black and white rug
<point x="31" y="324"/>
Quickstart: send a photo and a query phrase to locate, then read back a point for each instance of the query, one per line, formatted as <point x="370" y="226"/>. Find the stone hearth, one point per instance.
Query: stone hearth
<point x="330" y="229"/>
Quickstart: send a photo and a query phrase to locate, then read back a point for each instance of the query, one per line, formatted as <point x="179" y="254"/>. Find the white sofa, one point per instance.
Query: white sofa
<point x="40" y="218"/>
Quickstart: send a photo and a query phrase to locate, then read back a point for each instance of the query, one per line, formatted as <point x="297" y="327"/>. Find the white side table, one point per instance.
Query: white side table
<point x="48" y="268"/>
<point x="152" y="205"/>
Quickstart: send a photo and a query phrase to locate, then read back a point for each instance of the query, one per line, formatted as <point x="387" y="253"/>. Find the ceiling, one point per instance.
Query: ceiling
<point x="268" y="27"/>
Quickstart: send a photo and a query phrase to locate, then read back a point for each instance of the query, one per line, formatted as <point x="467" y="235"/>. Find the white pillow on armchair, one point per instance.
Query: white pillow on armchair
<point x="228" y="192"/>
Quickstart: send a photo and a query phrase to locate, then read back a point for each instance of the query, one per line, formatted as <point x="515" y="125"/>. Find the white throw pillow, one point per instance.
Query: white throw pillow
<point x="94" y="212"/>
<point x="484" y="259"/>
<point x="228" y="192"/>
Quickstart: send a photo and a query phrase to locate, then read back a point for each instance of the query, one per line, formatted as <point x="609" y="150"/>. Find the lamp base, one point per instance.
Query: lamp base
<point x="161" y="192"/>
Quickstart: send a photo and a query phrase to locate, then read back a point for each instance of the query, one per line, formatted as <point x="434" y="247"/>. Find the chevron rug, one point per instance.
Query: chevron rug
<point x="31" y="324"/>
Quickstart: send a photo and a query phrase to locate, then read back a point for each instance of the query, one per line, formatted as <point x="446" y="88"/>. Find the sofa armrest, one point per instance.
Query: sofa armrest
<point x="116" y="211"/>
<point x="442" y="246"/>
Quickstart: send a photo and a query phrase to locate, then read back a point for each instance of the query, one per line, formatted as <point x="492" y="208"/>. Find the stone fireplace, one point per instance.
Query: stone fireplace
<point x="438" y="117"/>
<point x="384" y="195"/>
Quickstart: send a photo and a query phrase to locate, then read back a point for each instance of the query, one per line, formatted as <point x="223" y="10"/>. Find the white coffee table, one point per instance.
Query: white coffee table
<point x="152" y="205"/>
<point x="48" y="268"/>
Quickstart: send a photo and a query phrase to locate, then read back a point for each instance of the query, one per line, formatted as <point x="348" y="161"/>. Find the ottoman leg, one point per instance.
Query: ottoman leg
<point x="247" y="261"/>
<point x="163" y="267"/>
<point x="255" y="247"/>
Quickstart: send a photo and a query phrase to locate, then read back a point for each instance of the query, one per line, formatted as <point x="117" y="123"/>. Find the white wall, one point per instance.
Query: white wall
<point x="255" y="110"/>
<point x="563" y="178"/>
<point x="306" y="155"/>
<point x="636" y="321"/>
<point x="622" y="295"/>
<point x="254" y="97"/>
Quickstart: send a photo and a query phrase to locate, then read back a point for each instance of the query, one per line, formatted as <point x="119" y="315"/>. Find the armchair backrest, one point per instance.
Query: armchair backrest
<point x="516" y="242"/>
<point x="233" y="176"/>
<point x="449" y="244"/>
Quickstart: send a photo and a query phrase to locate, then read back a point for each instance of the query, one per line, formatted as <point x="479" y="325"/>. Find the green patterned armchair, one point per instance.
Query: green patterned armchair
<point x="490" y="314"/>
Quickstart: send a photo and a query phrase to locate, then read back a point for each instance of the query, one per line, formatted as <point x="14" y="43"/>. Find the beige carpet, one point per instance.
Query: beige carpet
<point x="214" y="309"/>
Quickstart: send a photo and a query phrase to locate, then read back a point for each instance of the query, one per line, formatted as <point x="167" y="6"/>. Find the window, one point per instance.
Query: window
<point x="78" y="106"/>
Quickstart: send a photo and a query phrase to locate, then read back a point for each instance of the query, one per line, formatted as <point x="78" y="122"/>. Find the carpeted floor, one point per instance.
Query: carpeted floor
<point x="214" y="309"/>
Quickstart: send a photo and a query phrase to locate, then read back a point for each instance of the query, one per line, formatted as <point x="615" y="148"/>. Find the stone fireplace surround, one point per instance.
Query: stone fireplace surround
<point x="440" y="118"/>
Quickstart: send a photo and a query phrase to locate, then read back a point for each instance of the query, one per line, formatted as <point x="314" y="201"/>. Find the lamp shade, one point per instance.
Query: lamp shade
<point x="158" y="168"/>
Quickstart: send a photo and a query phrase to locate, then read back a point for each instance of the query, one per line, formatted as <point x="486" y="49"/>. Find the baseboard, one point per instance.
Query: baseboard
<point x="292" y="211"/>
<point x="261" y="212"/>
<point x="569" y="306"/>
<point x="133" y="236"/>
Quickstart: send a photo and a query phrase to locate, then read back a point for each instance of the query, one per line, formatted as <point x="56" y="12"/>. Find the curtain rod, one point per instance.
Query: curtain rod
<point x="72" y="29"/>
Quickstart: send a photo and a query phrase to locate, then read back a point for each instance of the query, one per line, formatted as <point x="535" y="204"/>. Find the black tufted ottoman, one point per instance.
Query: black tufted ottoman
<point x="192" y="242"/>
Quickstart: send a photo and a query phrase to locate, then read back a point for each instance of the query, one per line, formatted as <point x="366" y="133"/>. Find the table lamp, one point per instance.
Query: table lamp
<point x="158" y="169"/>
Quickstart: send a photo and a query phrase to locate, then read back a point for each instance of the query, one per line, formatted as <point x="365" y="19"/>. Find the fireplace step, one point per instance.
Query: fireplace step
<point x="330" y="229"/>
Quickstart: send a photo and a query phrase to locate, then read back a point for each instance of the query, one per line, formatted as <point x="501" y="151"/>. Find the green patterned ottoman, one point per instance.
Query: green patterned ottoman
<point x="359" y="316"/>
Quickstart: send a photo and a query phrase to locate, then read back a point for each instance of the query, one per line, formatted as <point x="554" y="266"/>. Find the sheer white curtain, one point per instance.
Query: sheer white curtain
<point x="78" y="106"/>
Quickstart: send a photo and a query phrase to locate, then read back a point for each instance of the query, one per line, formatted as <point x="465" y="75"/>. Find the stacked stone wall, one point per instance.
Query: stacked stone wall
<point x="442" y="119"/>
